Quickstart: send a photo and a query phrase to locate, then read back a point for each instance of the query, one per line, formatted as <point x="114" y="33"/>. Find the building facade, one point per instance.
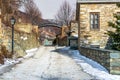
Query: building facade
<point x="74" y="28"/>
<point x="93" y="17"/>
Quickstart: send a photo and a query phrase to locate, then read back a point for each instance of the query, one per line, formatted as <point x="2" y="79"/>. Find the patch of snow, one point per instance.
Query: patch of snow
<point x="28" y="55"/>
<point x="30" y="52"/>
<point x="9" y="63"/>
<point x="20" y="59"/>
<point x="76" y="35"/>
<point x="65" y="48"/>
<point x="93" y="68"/>
<point x="25" y="38"/>
<point x="21" y="37"/>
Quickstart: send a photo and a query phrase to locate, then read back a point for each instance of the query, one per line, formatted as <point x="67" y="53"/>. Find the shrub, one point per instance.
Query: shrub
<point x="1" y="59"/>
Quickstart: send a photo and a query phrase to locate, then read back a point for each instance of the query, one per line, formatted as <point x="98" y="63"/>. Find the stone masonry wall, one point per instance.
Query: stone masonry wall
<point x="74" y="28"/>
<point x="27" y="28"/>
<point x="22" y="41"/>
<point x="0" y="26"/>
<point x="96" y="37"/>
<point x="108" y="58"/>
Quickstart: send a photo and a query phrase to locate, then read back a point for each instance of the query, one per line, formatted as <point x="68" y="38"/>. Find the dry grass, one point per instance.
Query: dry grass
<point x="1" y="59"/>
<point x="4" y="53"/>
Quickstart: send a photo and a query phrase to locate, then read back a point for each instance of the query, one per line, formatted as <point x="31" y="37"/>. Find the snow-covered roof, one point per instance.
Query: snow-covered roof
<point x="98" y="1"/>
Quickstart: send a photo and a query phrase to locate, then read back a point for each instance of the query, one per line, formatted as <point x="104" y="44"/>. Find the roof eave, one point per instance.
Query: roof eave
<point x="97" y="2"/>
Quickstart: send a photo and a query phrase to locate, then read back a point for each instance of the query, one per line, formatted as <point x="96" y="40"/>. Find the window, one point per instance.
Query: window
<point x="94" y="21"/>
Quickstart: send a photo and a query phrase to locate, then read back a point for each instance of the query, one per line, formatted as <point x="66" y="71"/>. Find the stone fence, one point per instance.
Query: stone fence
<point x="110" y="59"/>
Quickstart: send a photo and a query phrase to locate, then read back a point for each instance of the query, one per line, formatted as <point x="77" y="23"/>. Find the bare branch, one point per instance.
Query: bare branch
<point x="64" y="14"/>
<point x="32" y="11"/>
<point x="15" y="4"/>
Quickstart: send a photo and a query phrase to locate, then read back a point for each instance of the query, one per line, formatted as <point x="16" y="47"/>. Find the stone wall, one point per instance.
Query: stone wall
<point x="24" y="27"/>
<point x="108" y="58"/>
<point x="0" y="25"/>
<point x="96" y="37"/>
<point x="74" y="28"/>
<point x="22" y="41"/>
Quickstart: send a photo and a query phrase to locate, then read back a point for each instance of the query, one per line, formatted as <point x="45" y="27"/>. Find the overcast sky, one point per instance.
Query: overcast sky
<point x="50" y="7"/>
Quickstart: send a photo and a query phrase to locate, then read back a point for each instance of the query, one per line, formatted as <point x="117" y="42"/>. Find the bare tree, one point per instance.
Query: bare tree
<point x="64" y="14"/>
<point x="9" y="7"/>
<point x="16" y="3"/>
<point x="32" y="11"/>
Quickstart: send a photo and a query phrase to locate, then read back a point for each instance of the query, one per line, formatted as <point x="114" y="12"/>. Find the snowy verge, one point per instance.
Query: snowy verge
<point x="9" y="63"/>
<point x="65" y="48"/>
<point x="30" y="52"/>
<point x="91" y="67"/>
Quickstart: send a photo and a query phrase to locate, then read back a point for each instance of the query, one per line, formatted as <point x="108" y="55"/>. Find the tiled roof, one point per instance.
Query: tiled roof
<point x="97" y="1"/>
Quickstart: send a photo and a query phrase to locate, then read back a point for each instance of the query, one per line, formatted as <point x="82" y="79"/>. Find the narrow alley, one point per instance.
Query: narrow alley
<point x="47" y="64"/>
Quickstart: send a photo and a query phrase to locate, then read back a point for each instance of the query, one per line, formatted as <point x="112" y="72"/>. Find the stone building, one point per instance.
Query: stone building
<point x="74" y="28"/>
<point x="93" y="17"/>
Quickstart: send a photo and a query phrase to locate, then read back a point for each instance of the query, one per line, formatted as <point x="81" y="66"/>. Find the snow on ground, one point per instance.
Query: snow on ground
<point x="91" y="67"/>
<point x="30" y="52"/>
<point x="51" y="65"/>
<point x="9" y="63"/>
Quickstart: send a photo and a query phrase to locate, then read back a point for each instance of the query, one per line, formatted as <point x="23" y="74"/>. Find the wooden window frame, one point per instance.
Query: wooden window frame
<point x="94" y="19"/>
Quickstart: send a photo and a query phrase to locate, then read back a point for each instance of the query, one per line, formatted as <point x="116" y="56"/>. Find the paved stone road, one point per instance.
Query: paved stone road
<point x="47" y="64"/>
